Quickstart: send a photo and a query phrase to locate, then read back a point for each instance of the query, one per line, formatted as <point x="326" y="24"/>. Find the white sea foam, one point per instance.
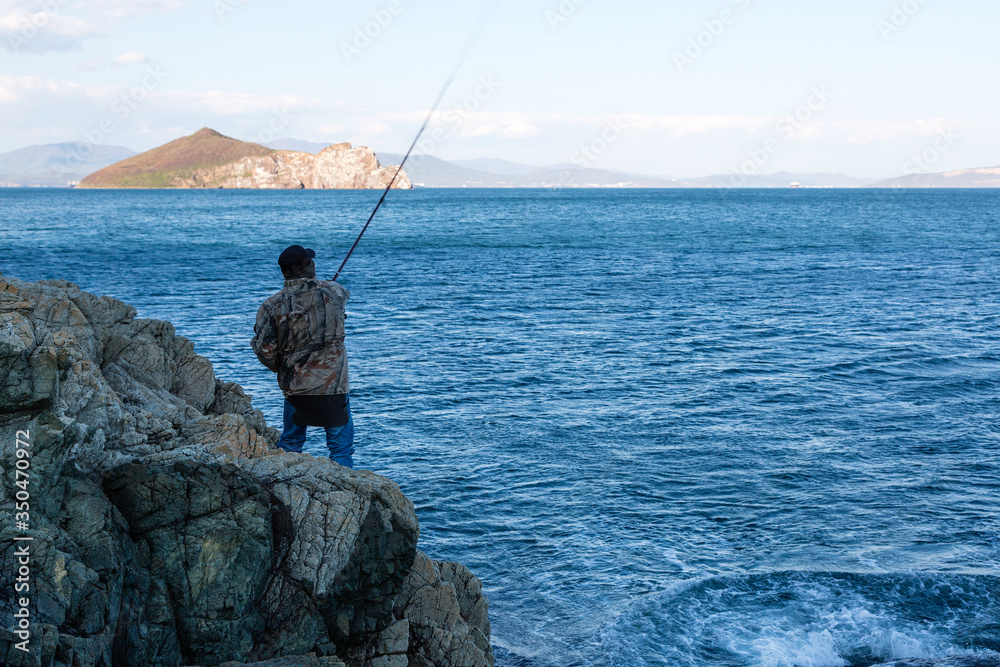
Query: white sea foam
<point x="816" y="649"/>
<point x="797" y="620"/>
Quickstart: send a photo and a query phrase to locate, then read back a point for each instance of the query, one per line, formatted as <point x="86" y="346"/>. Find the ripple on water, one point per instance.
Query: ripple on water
<point x="592" y="396"/>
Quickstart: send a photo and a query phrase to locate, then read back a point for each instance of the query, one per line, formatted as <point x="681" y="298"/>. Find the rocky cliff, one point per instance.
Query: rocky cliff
<point x="166" y="529"/>
<point x="207" y="159"/>
<point x="338" y="167"/>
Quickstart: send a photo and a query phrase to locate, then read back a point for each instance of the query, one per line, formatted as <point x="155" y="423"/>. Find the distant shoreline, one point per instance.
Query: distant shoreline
<point x="507" y="188"/>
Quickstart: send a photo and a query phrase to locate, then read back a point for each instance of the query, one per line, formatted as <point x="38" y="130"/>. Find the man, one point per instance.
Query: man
<point x="300" y="336"/>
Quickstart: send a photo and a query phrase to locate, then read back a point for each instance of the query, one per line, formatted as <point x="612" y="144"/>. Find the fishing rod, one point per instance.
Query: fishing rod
<point x="463" y="56"/>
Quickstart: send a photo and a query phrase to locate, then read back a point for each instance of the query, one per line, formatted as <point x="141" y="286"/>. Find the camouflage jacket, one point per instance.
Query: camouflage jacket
<point x="300" y="336"/>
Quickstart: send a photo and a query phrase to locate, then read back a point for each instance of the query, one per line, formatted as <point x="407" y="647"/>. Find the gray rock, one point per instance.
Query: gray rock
<point x="339" y="167"/>
<point x="296" y="661"/>
<point x="206" y="534"/>
<point x="169" y="530"/>
<point x="441" y="635"/>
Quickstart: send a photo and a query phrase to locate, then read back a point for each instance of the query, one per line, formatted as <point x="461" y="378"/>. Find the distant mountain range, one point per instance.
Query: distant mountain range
<point x="781" y="179"/>
<point x="431" y="172"/>
<point x="56" y="165"/>
<point x="62" y="165"/>
<point x="489" y="173"/>
<point x="987" y="177"/>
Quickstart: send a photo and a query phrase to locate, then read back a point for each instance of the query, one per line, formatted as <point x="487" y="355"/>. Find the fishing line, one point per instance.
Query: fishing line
<point x="463" y="56"/>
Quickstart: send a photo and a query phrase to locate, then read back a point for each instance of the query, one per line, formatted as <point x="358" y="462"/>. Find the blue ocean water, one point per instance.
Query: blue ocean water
<point x="732" y="428"/>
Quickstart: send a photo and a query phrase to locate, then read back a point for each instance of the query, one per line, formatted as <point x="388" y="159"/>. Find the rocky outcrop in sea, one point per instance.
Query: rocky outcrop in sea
<point x="166" y="528"/>
<point x="337" y="167"/>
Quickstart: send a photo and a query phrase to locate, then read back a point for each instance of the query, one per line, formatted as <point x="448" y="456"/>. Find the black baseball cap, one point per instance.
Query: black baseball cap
<point x="295" y="254"/>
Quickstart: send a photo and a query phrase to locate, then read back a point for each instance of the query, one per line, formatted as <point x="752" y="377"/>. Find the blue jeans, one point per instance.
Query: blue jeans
<point x="340" y="439"/>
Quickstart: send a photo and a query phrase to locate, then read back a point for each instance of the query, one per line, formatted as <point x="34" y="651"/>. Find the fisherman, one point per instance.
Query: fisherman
<point x="300" y="336"/>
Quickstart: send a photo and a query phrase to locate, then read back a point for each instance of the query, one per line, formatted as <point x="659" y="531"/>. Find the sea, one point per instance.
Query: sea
<point x="665" y="427"/>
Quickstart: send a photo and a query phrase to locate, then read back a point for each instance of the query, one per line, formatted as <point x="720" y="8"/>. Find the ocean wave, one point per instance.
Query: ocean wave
<point x="802" y="619"/>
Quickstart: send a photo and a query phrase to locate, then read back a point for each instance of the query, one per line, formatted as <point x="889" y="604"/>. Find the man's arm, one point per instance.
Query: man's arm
<point x="265" y="339"/>
<point x="337" y="287"/>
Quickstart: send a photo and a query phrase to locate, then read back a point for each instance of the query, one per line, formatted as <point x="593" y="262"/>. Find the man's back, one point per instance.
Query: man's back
<point x="300" y="335"/>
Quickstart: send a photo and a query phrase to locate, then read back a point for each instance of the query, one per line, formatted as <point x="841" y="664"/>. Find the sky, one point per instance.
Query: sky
<point x="678" y="88"/>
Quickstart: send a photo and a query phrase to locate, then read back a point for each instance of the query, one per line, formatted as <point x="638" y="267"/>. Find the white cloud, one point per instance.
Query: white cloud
<point x="678" y="126"/>
<point x="130" y="58"/>
<point x="878" y="131"/>
<point x="518" y="125"/>
<point x="125" y="59"/>
<point x="684" y="125"/>
<point x="36" y="110"/>
<point x="46" y="111"/>
<point x="233" y="104"/>
<point x="118" y="10"/>
<point x="61" y="108"/>
<point x="508" y="128"/>
<point x="370" y="127"/>
<point x="28" y="26"/>
<point x="521" y="130"/>
<point x="26" y="31"/>
<point x="18" y="88"/>
<point x="327" y="131"/>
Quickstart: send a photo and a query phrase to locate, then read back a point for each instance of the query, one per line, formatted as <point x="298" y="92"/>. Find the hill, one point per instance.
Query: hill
<point x="208" y="159"/>
<point x="179" y="159"/>
<point x="56" y="165"/>
<point x="985" y="177"/>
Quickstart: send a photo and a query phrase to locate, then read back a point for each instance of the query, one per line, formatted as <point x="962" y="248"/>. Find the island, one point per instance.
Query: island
<point x="210" y="160"/>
